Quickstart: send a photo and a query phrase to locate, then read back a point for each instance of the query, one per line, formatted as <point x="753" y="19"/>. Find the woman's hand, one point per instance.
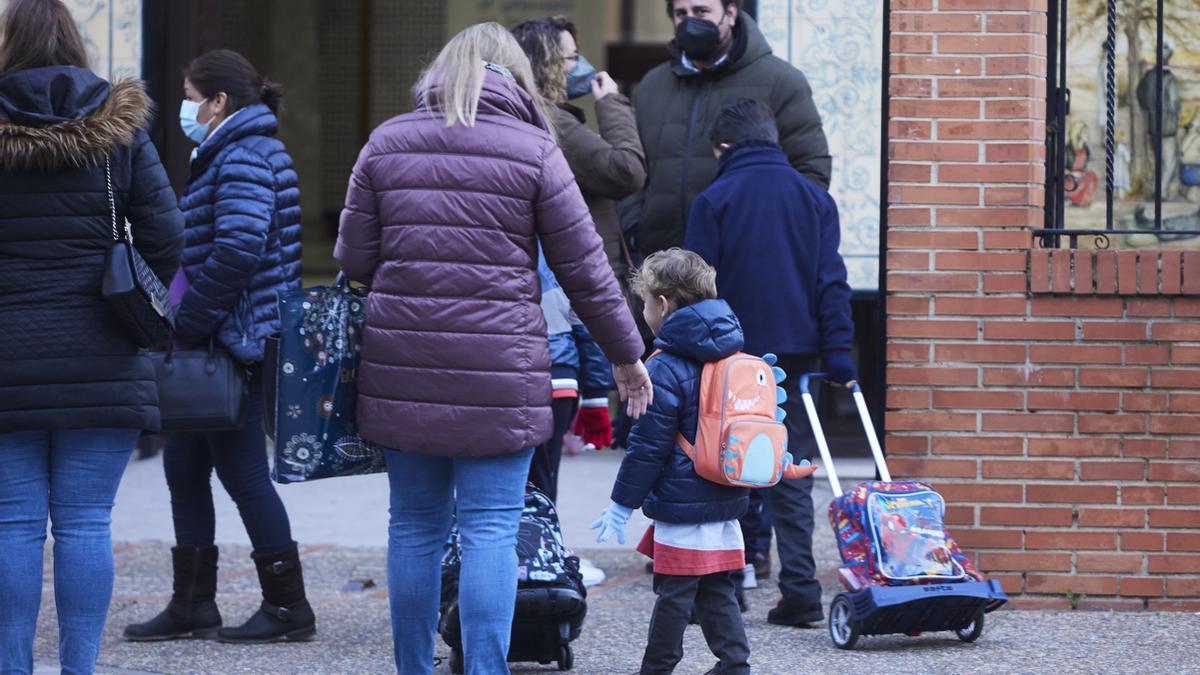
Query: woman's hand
<point x="603" y="85"/>
<point x="633" y="385"/>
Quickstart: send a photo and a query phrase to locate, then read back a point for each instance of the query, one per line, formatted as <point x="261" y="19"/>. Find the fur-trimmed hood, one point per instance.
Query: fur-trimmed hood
<point x="65" y="117"/>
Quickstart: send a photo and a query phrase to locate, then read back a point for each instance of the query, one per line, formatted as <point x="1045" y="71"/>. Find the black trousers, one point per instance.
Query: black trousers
<point x="790" y="501"/>
<point x="240" y="460"/>
<point x="543" y="469"/>
<point x="714" y="597"/>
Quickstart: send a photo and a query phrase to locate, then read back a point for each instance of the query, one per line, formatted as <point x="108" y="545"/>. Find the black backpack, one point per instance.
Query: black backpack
<point x="542" y="557"/>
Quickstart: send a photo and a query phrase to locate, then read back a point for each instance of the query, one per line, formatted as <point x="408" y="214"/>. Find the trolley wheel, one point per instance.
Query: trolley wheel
<point x="566" y="658"/>
<point x="457" y="665"/>
<point x="971" y="631"/>
<point x="843" y="627"/>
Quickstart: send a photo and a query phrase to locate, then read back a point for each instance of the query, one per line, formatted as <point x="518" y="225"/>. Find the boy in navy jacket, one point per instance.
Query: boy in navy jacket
<point x="695" y="543"/>
<point x="773" y="237"/>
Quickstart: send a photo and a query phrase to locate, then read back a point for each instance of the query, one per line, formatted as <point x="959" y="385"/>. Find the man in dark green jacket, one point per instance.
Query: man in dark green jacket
<point x="679" y="99"/>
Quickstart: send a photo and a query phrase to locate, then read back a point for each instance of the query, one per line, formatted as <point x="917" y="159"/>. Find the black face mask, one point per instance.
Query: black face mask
<point x="699" y="39"/>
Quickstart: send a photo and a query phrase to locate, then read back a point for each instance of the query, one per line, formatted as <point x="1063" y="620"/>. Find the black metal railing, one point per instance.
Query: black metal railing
<point x="1060" y="179"/>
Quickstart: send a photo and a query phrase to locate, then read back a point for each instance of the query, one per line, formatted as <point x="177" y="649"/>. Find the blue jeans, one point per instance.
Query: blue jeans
<point x="69" y="476"/>
<point x="491" y="495"/>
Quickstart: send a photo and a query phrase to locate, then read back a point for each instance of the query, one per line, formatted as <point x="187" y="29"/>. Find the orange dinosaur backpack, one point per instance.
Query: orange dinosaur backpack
<point x="740" y="440"/>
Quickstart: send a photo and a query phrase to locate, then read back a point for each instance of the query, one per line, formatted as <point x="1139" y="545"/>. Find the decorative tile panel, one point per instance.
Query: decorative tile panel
<point x="839" y="46"/>
<point x="112" y="32"/>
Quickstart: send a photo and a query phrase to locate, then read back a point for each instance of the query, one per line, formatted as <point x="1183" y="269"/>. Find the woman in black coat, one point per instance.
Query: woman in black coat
<point x="75" y="391"/>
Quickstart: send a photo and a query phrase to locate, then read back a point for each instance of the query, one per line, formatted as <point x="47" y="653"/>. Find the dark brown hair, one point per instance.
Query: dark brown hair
<point x="540" y="40"/>
<point x="671" y="6"/>
<point x="38" y="34"/>
<point x="744" y="120"/>
<point x="224" y="70"/>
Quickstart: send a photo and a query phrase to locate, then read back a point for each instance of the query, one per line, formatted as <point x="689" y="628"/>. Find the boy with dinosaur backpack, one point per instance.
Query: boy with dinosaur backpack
<point x="773" y="237"/>
<point x="711" y="433"/>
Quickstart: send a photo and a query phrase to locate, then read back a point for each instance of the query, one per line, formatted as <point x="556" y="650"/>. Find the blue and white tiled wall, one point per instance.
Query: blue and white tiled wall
<point x="112" y="31"/>
<point x="839" y="46"/>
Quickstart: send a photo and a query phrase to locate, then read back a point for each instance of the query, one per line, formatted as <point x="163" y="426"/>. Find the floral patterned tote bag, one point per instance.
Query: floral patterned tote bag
<point x="316" y="369"/>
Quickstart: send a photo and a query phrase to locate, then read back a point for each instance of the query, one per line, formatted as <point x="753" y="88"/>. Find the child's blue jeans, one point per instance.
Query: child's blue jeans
<point x="71" y="477"/>
<point x="491" y="496"/>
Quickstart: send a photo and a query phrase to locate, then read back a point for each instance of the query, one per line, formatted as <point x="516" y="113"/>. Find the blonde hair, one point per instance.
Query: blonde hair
<point x="678" y="275"/>
<point x="458" y="72"/>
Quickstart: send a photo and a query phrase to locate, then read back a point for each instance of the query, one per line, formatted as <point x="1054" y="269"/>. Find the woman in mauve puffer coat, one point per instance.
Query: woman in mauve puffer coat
<point x="444" y="212"/>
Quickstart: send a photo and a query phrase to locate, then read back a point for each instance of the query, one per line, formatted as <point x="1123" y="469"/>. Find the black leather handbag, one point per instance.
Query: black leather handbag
<point x="201" y="390"/>
<point x="131" y="288"/>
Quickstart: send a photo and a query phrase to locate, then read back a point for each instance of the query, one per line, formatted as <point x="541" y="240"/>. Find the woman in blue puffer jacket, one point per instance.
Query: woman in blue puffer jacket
<point x="242" y="207"/>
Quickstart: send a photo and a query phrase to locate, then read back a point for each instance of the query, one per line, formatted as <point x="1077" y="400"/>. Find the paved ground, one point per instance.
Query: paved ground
<point x="341" y="525"/>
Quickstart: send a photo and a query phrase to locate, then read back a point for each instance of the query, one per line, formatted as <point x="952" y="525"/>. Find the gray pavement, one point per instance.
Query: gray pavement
<point x="341" y="525"/>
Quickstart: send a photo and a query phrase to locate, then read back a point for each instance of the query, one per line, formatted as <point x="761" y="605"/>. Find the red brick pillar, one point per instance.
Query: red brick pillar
<point x="1051" y="397"/>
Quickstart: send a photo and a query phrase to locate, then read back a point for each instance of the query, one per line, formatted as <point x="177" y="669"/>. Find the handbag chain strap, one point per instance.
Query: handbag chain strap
<point x="112" y="205"/>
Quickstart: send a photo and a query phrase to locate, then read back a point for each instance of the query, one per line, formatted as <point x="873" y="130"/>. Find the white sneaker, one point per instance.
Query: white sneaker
<point x="592" y="575"/>
<point x="748" y="578"/>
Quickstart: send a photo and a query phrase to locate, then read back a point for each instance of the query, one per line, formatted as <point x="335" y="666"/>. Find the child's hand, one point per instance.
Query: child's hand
<point x="595" y="426"/>
<point x="612" y="521"/>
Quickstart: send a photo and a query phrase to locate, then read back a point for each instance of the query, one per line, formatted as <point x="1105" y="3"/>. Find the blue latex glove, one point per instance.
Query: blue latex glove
<point x="840" y="368"/>
<point x="612" y="521"/>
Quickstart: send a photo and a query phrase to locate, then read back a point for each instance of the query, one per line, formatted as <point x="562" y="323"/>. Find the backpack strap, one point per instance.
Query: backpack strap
<point x="688" y="448"/>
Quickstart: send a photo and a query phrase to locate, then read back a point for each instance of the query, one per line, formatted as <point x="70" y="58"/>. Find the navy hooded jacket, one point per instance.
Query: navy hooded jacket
<point x="656" y="474"/>
<point x="773" y="237"/>
<point x="242" y="207"/>
<point x="68" y="360"/>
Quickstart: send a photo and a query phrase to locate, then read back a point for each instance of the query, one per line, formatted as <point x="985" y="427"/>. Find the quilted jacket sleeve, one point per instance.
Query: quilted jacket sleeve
<point x="652" y="439"/>
<point x="800" y="130"/>
<point x="153" y="212"/>
<point x="357" y="249"/>
<point x="576" y="256"/>
<point x="245" y="204"/>
<point x="611" y="163"/>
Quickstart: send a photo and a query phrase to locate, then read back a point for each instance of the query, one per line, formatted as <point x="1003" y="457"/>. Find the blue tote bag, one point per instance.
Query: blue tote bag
<point x="316" y="373"/>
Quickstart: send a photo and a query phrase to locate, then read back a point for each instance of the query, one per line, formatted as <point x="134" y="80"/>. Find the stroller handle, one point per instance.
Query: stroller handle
<point x="864" y="416"/>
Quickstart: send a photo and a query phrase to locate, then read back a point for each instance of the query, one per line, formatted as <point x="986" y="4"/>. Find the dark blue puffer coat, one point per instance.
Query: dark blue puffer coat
<point x="656" y="474"/>
<point x="68" y="362"/>
<point x="243" y="235"/>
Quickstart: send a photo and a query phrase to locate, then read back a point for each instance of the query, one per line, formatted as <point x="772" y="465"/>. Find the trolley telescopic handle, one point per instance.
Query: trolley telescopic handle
<point x="864" y="416"/>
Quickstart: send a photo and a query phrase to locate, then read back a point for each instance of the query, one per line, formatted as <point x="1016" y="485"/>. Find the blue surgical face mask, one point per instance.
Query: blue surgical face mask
<point x="192" y="128"/>
<point x="579" y="80"/>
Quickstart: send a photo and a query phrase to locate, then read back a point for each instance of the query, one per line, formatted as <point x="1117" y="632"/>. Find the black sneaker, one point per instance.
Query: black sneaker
<point x="797" y="615"/>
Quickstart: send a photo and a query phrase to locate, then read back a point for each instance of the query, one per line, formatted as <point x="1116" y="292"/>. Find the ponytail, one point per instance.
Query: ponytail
<point x="271" y="94"/>
<point x="224" y="70"/>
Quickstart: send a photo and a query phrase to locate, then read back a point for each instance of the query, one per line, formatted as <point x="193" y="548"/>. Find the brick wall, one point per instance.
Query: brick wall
<point x="1053" y="397"/>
